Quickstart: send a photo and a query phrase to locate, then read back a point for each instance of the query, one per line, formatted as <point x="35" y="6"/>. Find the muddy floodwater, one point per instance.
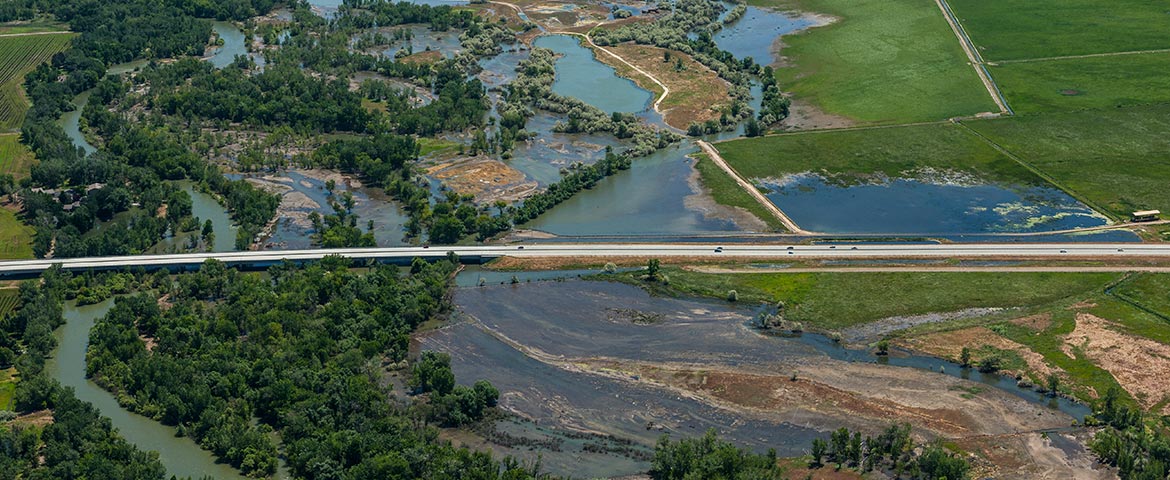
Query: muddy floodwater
<point x="541" y="344"/>
<point x="581" y="76"/>
<point x="648" y="199"/>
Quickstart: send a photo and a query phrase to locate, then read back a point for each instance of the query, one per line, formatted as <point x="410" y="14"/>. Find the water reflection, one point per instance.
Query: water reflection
<point x="904" y="206"/>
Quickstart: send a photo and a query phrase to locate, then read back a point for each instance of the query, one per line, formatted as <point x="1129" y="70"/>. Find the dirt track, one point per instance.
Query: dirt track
<point x="752" y="190"/>
<point x="973" y="57"/>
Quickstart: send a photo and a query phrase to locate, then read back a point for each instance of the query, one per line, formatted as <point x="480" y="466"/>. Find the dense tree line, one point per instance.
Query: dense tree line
<point x="339" y="229"/>
<point x="79" y="443"/>
<point x="892" y="452"/>
<point x="579" y="178"/>
<point x="299" y="350"/>
<point x="1139" y="451"/>
<point x="450" y="404"/>
<point x="280" y="95"/>
<point x="707" y="457"/>
<point x="136" y="157"/>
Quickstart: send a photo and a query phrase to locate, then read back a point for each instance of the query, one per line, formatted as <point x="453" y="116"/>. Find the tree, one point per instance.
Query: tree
<point x="819" y="448"/>
<point x="752" y="128"/>
<point x="652" y="269"/>
<point x="432" y="373"/>
<point x="1053" y="382"/>
<point x="883" y="347"/>
<point x="965" y="357"/>
<point x="989" y="364"/>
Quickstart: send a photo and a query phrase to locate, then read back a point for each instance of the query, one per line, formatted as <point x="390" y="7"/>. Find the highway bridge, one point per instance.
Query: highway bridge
<point x="601" y="252"/>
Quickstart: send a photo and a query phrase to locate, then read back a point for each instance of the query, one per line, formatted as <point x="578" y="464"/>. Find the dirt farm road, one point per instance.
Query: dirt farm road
<point x="752" y="190"/>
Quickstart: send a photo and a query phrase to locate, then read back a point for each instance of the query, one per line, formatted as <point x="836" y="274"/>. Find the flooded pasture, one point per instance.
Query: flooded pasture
<point x="756" y="33"/>
<point x="910" y="206"/>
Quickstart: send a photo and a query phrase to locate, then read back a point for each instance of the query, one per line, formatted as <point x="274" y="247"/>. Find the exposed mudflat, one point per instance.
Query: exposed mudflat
<point x="874" y="331"/>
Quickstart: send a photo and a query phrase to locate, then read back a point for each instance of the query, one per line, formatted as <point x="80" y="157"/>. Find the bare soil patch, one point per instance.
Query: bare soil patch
<point x="485" y="178"/>
<point x="39" y="418"/>
<point x="873" y="331"/>
<point x="1038" y="322"/>
<point x="697" y="94"/>
<point x="803" y="115"/>
<point x="1139" y="364"/>
<point x="1035" y="456"/>
<point x="428" y="57"/>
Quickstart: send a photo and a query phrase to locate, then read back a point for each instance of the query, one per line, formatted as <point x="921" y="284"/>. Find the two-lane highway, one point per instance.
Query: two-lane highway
<point x="1053" y="251"/>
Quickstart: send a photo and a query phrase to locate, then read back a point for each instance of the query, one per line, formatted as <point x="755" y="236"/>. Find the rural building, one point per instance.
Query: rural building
<point x="1145" y="215"/>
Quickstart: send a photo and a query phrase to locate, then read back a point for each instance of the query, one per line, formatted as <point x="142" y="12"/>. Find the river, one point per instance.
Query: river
<point x="180" y="455"/>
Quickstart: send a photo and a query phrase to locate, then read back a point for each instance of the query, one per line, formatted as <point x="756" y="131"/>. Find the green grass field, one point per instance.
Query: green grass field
<point x="1115" y="158"/>
<point x="15" y="157"/>
<point x="830" y="301"/>
<point x="18" y="56"/>
<point x="1085" y="83"/>
<point x="46" y="24"/>
<point x="851" y="155"/>
<point x="1150" y="291"/>
<point x="726" y="192"/>
<point x="15" y="236"/>
<point x="1014" y="29"/>
<point x="8" y="379"/>
<point x="889" y="61"/>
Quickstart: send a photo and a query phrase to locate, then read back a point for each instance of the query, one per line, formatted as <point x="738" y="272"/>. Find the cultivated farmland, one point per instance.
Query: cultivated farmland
<point x="18" y="56"/>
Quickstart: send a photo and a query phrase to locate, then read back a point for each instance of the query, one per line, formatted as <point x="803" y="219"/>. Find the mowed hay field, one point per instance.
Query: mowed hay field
<point x="18" y="56"/>
<point x="881" y="61"/>
<point x="1018" y="29"/>
<point x="1119" y="158"/>
<point x="1085" y="83"/>
<point x="851" y="155"/>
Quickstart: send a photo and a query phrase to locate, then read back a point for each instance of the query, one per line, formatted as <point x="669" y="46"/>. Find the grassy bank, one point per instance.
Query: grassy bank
<point x="1014" y="29"/>
<point x="726" y="191"/>
<point x="1115" y="158"/>
<point x="891" y="61"/>
<point x="831" y="301"/>
<point x="1085" y="83"/>
<point x="856" y="154"/>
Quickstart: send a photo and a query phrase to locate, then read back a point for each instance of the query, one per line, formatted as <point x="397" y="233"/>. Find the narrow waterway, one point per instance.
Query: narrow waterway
<point x="180" y="455"/>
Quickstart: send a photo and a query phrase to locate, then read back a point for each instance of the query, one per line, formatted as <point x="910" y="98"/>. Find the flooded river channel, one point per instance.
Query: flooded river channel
<point x="566" y="356"/>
